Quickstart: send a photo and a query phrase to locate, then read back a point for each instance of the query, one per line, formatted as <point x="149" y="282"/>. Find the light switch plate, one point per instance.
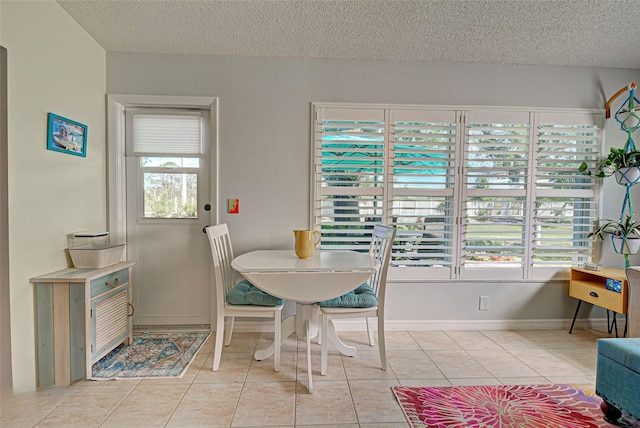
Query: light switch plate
<point x="233" y="206"/>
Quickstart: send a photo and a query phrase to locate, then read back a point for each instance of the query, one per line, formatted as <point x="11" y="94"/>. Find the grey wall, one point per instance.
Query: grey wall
<point x="265" y="147"/>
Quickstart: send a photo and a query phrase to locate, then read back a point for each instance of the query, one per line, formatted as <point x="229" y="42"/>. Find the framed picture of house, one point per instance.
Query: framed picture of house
<point x="66" y="136"/>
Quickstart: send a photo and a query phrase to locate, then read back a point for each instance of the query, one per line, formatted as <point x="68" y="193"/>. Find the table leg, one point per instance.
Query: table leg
<point x="294" y="324"/>
<point x="575" y="316"/>
<point x="287" y="329"/>
<point x="308" y="336"/>
<point x="344" y="349"/>
<point x="307" y="327"/>
<point x="307" y="312"/>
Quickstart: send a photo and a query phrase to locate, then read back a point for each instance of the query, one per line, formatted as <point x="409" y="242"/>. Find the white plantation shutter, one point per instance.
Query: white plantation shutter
<point x="482" y="193"/>
<point x="157" y="133"/>
<point x="566" y="203"/>
<point x="349" y="176"/>
<point x="423" y="149"/>
<point x="495" y="173"/>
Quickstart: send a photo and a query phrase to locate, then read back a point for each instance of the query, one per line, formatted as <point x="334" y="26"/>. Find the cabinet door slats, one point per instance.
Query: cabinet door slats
<point x="111" y="319"/>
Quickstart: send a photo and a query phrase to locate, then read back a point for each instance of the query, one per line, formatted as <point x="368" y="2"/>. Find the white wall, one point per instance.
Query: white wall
<point x="265" y="144"/>
<point x="53" y="66"/>
<point x="6" y="377"/>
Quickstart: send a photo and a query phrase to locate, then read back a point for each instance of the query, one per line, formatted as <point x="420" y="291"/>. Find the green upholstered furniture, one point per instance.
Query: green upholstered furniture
<point x="362" y="297"/>
<point x="618" y="363"/>
<point x="245" y="293"/>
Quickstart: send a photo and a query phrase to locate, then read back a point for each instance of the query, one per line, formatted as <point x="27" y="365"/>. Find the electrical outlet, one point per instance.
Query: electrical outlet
<point x="484" y="303"/>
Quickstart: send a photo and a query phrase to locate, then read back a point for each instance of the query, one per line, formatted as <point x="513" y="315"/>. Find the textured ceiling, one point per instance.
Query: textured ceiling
<point x="589" y="33"/>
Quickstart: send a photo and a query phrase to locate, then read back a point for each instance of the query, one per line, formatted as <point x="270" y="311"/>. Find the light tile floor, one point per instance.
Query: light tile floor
<point x="354" y="393"/>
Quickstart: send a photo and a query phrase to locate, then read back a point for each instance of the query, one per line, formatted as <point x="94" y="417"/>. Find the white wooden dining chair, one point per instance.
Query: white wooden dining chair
<point x="237" y="299"/>
<point x="366" y="301"/>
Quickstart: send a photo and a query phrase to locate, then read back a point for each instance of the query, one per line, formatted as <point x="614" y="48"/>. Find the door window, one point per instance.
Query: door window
<point x="168" y="146"/>
<point x="170" y="187"/>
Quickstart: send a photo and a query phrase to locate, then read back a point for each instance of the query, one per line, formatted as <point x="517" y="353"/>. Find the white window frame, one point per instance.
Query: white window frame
<point x="533" y="220"/>
<point x="174" y="152"/>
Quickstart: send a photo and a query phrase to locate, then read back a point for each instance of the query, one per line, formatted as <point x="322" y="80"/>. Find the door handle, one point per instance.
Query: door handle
<point x="593" y="294"/>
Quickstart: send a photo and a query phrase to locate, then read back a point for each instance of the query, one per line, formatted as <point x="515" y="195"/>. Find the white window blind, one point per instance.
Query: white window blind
<point x="496" y="168"/>
<point x="422" y="188"/>
<point x="473" y="193"/>
<point x="349" y="175"/>
<point x="566" y="203"/>
<point x="157" y="133"/>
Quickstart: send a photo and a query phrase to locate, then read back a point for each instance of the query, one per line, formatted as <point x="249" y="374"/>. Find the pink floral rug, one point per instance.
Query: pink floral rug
<point x="507" y="406"/>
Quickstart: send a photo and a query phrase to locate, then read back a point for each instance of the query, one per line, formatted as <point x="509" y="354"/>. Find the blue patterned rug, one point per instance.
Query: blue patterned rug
<point x="151" y="355"/>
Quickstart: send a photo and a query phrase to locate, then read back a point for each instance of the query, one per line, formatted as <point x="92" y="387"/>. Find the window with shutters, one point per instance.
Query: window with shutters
<point x="566" y="203"/>
<point x="468" y="190"/>
<point x="350" y="176"/>
<point x="495" y="169"/>
<point x="167" y="145"/>
<point x="421" y="195"/>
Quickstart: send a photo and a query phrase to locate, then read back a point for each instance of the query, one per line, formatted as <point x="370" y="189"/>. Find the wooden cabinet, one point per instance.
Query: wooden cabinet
<point x="82" y="314"/>
<point x="590" y="286"/>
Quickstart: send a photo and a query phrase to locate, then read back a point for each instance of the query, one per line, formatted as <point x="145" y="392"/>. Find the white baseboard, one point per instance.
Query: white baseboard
<point x="426" y="325"/>
<point x="170" y="320"/>
<point x="172" y="328"/>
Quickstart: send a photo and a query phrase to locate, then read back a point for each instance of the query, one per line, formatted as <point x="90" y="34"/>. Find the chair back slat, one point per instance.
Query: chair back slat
<point x="222" y="255"/>
<point x="380" y="249"/>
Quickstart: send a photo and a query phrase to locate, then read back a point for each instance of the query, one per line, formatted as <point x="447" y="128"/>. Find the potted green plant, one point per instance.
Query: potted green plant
<point x="625" y="165"/>
<point x="625" y="234"/>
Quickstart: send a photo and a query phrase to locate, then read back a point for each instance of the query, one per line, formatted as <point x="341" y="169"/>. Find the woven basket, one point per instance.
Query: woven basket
<point x="96" y="255"/>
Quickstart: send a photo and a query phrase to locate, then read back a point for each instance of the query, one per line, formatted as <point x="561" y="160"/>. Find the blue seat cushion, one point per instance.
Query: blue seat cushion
<point x="361" y="297"/>
<point x="624" y="351"/>
<point x="245" y="293"/>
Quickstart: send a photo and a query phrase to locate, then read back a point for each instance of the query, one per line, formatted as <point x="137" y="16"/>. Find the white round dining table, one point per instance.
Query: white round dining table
<point x="325" y="275"/>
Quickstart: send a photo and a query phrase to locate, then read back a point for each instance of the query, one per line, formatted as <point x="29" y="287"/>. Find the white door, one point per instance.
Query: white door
<point x="168" y="189"/>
